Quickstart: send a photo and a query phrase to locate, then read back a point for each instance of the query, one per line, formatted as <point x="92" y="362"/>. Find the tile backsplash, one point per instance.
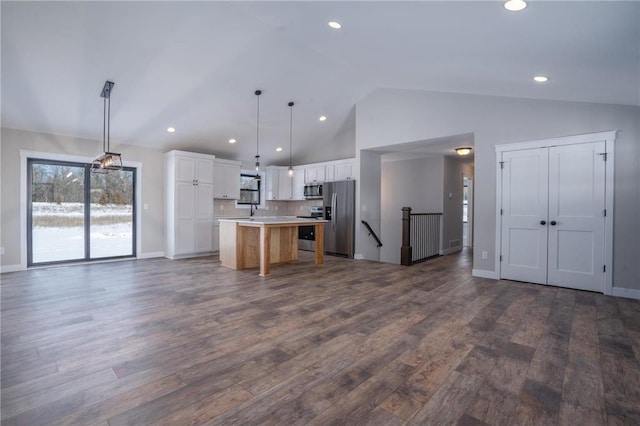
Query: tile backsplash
<point x="227" y="208"/>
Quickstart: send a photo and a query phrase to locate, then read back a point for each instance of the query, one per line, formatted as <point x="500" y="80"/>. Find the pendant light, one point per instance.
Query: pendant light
<point x="290" y="136"/>
<point x="258" y="93"/>
<point x="108" y="160"/>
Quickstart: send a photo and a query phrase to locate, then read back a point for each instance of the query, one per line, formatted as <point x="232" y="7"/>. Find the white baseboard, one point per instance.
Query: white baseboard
<point x="10" y="268"/>
<point x="629" y="293"/>
<point x="151" y="255"/>
<point x="186" y="256"/>
<point x="485" y="274"/>
<point x="450" y="251"/>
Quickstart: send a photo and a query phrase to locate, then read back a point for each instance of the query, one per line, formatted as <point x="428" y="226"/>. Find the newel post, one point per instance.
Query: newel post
<point x="405" y="250"/>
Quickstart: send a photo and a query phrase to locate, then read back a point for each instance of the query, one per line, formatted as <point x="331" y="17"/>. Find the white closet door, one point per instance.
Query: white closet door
<point x="524" y="215"/>
<point x="576" y="216"/>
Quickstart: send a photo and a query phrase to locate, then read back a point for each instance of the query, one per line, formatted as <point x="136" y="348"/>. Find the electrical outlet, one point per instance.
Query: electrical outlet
<point x="2" y="251"/>
<point x="146" y="206"/>
<point x="485" y="254"/>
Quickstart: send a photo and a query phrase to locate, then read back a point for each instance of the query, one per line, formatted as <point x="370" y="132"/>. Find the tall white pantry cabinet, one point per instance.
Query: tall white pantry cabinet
<point x="189" y="203"/>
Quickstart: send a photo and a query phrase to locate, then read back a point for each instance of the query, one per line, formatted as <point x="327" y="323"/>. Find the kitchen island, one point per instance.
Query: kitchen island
<point x="261" y="241"/>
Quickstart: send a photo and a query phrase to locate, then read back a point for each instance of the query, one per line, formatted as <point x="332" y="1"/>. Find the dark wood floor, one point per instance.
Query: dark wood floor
<point x="354" y="342"/>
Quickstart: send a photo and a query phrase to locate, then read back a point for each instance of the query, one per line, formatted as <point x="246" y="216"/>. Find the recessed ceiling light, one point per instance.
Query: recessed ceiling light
<point x="541" y="78"/>
<point x="171" y="129"/>
<point x="322" y="118"/>
<point x="335" y="25"/>
<point x="232" y="141"/>
<point x="515" y="5"/>
<point x="278" y="149"/>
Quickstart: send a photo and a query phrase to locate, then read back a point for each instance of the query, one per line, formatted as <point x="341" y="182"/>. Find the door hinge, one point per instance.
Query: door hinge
<point x="604" y="268"/>
<point x="604" y="156"/>
<point x="502" y="164"/>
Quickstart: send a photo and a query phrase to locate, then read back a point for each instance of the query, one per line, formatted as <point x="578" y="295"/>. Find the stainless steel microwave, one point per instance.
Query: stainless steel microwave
<point x="313" y="191"/>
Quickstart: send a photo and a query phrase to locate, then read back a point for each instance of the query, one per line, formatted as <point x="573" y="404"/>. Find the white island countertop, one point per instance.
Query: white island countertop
<point x="272" y="220"/>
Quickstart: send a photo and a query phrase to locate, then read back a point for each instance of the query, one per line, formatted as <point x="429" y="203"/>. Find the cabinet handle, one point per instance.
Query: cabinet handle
<point x="553" y="223"/>
<point x="543" y="222"/>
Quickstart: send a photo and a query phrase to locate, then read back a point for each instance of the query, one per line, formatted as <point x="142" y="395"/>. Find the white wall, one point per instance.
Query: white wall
<point x="388" y="117"/>
<point x="13" y="141"/>
<point x="416" y="183"/>
<point x="368" y="204"/>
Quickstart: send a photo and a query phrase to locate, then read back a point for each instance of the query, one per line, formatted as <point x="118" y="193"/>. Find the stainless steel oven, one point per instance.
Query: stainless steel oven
<point x="307" y="233"/>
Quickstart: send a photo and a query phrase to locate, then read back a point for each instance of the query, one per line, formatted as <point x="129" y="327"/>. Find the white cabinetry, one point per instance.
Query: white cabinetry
<point x="279" y="184"/>
<point x="188" y="203"/>
<point x="298" y="184"/>
<point x="314" y="173"/>
<point x="329" y="171"/>
<point x="343" y="171"/>
<point x="226" y="179"/>
<point x="339" y="171"/>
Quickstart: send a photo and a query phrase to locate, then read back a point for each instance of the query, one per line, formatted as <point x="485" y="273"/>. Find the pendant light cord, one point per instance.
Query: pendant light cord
<point x="104" y="125"/>
<point x="290" y="131"/>
<point x="258" y="93"/>
<point x="108" y="101"/>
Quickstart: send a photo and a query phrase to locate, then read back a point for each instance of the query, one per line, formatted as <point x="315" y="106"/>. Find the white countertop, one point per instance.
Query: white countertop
<point x="272" y="220"/>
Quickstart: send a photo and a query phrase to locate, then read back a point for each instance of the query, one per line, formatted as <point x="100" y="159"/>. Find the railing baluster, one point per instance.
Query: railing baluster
<point x="420" y="236"/>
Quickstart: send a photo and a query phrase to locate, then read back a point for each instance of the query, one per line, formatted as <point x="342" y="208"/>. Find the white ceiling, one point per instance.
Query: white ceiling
<point x="196" y="65"/>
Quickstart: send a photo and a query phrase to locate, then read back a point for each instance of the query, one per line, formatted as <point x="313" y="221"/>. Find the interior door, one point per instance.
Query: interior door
<point x="576" y="216"/>
<point x="524" y="215"/>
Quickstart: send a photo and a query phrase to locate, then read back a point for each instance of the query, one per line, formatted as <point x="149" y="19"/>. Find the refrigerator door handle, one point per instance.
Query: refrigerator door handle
<point x="334" y="204"/>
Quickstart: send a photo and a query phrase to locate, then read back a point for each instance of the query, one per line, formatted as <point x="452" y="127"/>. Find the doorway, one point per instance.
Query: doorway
<point x="75" y="215"/>
<point x="467" y="211"/>
<point x="555" y="218"/>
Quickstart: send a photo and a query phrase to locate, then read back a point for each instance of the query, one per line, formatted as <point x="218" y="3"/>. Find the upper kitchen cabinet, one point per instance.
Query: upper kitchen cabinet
<point x="188" y="203"/>
<point x="279" y="185"/>
<point x="314" y="173"/>
<point x="298" y="183"/>
<point x="339" y="170"/>
<point x="226" y="179"/>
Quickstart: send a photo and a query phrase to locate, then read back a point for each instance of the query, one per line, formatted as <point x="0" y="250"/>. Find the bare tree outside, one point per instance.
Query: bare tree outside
<point x="58" y="208"/>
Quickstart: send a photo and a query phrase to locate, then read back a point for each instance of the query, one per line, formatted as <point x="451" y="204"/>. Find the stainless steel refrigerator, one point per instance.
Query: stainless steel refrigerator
<point x="339" y="204"/>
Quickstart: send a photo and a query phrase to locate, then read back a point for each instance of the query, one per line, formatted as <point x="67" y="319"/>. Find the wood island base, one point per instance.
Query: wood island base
<point x="249" y="244"/>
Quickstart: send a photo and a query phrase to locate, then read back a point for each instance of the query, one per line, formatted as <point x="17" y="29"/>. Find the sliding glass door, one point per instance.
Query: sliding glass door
<point x="111" y="216"/>
<point x="75" y="215"/>
<point x="57" y="212"/>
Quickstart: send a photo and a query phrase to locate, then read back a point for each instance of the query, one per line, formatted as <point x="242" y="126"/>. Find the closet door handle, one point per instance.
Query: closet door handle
<point x="543" y="222"/>
<point x="553" y="223"/>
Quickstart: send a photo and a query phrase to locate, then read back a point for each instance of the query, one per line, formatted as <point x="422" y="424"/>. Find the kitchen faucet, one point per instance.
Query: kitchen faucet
<point x="252" y="212"/>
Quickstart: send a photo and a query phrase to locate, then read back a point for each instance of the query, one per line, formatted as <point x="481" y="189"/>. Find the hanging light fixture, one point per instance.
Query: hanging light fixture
<point x="108" y="160"/>
<point x="258" y="93"/>
<point x="290" y="136"/>
<point x="464" y="150"/>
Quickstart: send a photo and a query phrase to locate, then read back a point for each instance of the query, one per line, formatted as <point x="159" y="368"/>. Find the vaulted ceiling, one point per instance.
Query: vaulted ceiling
<point x="195" y="65"/>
